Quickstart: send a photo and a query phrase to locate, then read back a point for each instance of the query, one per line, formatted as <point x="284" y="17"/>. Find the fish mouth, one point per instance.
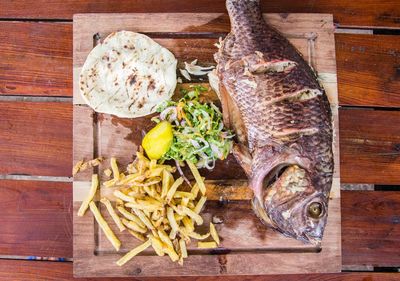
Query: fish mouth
<point x="315" y="240"/>
<point x="269" y="180"/>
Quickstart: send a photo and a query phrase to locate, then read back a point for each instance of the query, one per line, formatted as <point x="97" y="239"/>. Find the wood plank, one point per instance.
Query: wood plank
<point x="366" y="137"/>
<point x="368" y="69"/>
<point x="35" y="58"/>
<point x="370" y="146"/>
<point x="36" y="138"/>
<point x="346" y="13"/>
<point x="360" y="58"/>
<point x="36" y="218"/>
<point x="371" y="228"/>
<point x="11" y="270"/>
<point x="313" y="35"/>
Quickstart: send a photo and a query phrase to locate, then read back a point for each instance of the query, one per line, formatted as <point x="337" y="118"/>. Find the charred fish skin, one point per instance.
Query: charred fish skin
<point x="271" y="98"/>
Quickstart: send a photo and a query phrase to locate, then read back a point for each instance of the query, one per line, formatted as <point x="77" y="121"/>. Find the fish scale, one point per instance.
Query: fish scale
<point x="271" y="98"/>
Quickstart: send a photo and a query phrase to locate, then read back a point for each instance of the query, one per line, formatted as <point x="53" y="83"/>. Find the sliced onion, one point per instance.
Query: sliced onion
<point x="195" y="143"/>
<point x="185" y="74"/>
<point x="216" y="150"/>
<point x="197" y="70"/>
<point x="166" y="111"/>
<point x="207" y="164"/>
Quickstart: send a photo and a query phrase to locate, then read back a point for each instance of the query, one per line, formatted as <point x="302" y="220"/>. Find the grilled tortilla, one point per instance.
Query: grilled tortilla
<point x="128" y="75"/>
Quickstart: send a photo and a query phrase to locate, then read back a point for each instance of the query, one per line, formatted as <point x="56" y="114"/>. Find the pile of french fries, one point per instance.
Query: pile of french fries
<point x="153" y="207"/>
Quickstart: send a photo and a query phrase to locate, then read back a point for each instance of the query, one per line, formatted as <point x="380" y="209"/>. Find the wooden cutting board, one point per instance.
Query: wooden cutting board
<point x="247" y="246"/>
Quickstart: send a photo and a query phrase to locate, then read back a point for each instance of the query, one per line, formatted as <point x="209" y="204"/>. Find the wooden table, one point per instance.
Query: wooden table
<point x="36" y="130"/>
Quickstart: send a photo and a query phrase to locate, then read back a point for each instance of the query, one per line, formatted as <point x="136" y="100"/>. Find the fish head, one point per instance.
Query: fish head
<point x="289" y="202"/>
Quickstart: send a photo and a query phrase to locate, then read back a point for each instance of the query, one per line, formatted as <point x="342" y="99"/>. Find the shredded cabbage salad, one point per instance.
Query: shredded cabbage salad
<point x="199" y="135"/>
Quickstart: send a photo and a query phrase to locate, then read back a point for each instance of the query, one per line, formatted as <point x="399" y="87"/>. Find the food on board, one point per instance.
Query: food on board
<point x="281" y="116"/>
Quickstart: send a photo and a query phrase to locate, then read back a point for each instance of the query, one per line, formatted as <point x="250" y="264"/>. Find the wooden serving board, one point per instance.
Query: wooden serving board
<point x="247" y="246"/>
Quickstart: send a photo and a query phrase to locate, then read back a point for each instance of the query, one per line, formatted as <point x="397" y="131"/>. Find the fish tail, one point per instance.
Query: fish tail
<point x="244" y="16"/>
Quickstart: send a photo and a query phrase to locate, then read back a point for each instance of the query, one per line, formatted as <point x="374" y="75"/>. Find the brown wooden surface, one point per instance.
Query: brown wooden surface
<point x="36" y="138"/>
<point x="379" y="244"/>
<point x="366" y="136"/>
<point x="62" y="271"/>
<point x="360" y="58"/>
<point x="35" y="58"/>
<point x="36" y="218"/>
<point x="367" y="74"/>
<point x="346" y="13"/>
<point x="370" y="146"/>
<point x="263" y="247"/>
<point x="370" y="227"/>
<point x="368" y="69"/>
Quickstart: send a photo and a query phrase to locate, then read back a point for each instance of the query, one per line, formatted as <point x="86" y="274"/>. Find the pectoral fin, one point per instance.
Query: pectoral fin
<point x="243" y="156"/>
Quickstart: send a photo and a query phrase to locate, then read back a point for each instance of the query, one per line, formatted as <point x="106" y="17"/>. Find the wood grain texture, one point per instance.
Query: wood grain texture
<point x="385" y="13"/>
<point x="313" y="35"/>
<point x="35" y="58"/>
<point x="378" y="245"/>
<point x="36" y="138"/>
<point x="360" y="58"/>
<point x="368" y="69"/>
<point x="366" y="136"/>
<point x="62" y="271"/>
<point x="370" y="146"/>
<point x="36" y="218"/>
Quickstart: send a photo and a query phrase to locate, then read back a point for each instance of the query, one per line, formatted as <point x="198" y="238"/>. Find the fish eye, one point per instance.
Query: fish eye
<point x="315" y="210"/>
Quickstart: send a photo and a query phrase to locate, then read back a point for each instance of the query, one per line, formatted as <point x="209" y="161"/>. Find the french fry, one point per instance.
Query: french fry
<point x="198" y="236"/>
<point x="134" y="226"/>
<point x="131" y="178"/>
<point x="188" y="224"/>
<point x="89" y="198"/>
<point x="158" y="222"/>
<point x="197" y="218"/>
<point x="157" y="245"/>
<point x="128" y="215"/>
<point x="131" y="169"/>
<point x="95" y="162"/>
<point x="214" y="233"/>
<point x="197" y="177"/>
<point x="206" y="245"/>
<point x="195" y="190"/>
<point x="123" y="196"/>
<point x="173" y="188"/>
<point x="170" y="251"/>
<point x="143" y="206"/>
<point x="182" y="246"/>
<point x="172" y="234"/>
<point x="171" y="219"/>
<point x="136" y="235"/>
<point x="155" y="172"/>
<point x="185" y="201"/>
<point x="200" y="204"/>
<point x="183" y="194"/>
<point x="164" y="238"/>
<point x="105" y="227"/>
<point x="144" y="218"/>
<point x="153" y="164"/>
<point x="178" y="217"/>
<point x="134" y="252"/>
<point x="77" y="167"/>
<point x="150" y="182"/>
<point x="113" y="214"/>
<point x="114" y="167"/>
<point x="110" y="183"/>
<point x="107" y="172"/>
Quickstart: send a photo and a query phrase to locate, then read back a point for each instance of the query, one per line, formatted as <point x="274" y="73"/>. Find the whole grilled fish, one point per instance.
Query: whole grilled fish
<point x="281" y="115"/>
